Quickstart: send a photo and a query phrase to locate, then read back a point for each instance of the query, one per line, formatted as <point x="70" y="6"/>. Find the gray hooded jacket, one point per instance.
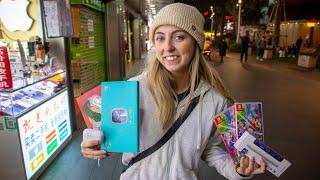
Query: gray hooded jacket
<point x="196" y="138"/>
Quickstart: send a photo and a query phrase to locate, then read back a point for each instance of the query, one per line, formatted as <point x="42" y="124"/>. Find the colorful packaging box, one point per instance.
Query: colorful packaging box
<point x="237" y="119"/>
<point x="249" y="118"/>
<point x="226" y="124"/>
<point x="120" y="116"/>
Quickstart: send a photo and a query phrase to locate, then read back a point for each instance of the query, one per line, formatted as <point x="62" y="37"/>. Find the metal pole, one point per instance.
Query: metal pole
<point x="70" y="85"/>
<point x="211" y="28"/>
<point x="239" y="21"/>
<point x="211" y="17"/>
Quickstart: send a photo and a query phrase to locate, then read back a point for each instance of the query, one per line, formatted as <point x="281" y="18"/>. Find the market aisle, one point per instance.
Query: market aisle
<point x="291" y="118"/>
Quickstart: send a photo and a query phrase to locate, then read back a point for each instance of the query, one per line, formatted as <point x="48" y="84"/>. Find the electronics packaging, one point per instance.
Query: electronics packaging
<point x="234" y="121"/>
<point x="250" y="146"/>
<point x="120" y="116"/>
<point x="226" y="124"/>
<point x="249" y="117"/>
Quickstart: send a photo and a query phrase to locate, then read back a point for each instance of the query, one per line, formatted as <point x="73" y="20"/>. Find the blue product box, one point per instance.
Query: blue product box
<point x="120" y="116"/>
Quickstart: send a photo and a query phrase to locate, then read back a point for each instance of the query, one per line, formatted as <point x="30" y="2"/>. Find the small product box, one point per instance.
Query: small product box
<point x="120" y="116"/>
<point x="250" y="146"/>
<point x="226" y="124"/>
<point x="234" y="121"/>
<point x="249" y="118"/>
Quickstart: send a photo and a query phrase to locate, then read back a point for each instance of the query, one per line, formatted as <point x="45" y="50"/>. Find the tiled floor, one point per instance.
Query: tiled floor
<point x="70" y="164"/>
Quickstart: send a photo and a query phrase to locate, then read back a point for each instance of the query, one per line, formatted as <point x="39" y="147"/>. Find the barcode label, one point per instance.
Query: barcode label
<point x="1" y="126"/>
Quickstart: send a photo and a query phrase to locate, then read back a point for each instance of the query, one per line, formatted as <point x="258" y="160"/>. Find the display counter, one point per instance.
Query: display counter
<point x="36" y="109"/>
<point x="35" y="123"/>
<point x="32" y="139"/>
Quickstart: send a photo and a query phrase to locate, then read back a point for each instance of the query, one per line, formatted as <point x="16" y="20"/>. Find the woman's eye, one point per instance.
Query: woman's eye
<point x="159" y="39"/>
<point x="180" y="37"/>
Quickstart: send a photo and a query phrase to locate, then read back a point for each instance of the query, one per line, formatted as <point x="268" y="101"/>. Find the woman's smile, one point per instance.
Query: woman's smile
<point x="172" y="60"/>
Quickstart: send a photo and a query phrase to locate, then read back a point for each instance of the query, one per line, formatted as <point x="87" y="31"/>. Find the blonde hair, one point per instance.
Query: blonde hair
<point x="160" y="84"/>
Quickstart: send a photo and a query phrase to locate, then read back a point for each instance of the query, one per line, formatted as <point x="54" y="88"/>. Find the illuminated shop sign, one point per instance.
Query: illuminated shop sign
<point x="14" y="15"/>
<point x="5" y="72"/>
<point x="43" y="130"/>
<point x="228" y="17"/>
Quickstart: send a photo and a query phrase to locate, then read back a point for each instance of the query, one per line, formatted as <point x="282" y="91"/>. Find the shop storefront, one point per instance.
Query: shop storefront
<point x="126" y="37"/>
<point x="88" y="45"/>
<point x="308" y="30"/>
<point x="35" y="104"/>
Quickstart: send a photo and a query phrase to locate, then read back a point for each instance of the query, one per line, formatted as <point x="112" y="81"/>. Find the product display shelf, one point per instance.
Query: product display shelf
<point x="25" y="82"/>
<point x="21" y="99"/>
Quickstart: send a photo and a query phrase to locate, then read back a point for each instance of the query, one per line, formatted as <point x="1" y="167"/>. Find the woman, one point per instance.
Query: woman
<point x="207" y="48"/>
<point x="222" y="49"/>
<point x="176" y="74"/>
<point x="261" y="46"/>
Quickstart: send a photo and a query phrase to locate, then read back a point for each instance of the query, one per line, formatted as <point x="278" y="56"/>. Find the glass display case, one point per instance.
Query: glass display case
<point x="36" y="107"/>
<point x="15" y="102"/>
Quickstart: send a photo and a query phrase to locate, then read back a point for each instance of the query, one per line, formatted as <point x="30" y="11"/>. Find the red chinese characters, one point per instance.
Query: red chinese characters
<point x="5" y="72"/>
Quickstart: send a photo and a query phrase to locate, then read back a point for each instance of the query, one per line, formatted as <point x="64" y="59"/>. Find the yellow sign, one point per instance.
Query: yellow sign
<point x="39" y="159"/>
<point x="311" y="24"/>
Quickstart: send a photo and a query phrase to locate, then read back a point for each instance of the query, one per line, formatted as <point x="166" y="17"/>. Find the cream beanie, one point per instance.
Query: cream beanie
<point x="182" y="16"/>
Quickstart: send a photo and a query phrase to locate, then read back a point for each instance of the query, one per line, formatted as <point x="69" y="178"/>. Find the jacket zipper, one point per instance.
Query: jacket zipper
<point x="170" y="154"/>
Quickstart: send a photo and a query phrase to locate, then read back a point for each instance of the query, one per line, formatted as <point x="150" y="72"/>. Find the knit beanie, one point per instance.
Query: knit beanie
<point x="182" y="16"/>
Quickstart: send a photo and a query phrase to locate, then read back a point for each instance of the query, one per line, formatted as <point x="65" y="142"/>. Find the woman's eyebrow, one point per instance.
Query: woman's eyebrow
<point x="159" y="32"/>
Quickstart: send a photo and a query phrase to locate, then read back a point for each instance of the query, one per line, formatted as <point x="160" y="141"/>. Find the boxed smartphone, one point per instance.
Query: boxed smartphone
<point x="120" y="116"/>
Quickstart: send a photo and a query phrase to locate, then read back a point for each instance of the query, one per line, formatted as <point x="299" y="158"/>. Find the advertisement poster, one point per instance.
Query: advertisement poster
<point x="91" y="41"/>
<point x="43" y="130"/>
<point x="5" y="72"/>
<point x="90" y="106"/>
<point x="57" y="18"/>
<point x="90" y="25"/>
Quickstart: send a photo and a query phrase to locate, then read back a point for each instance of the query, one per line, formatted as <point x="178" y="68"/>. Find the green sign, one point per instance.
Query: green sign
<point x="52" y="146"/>
<point x="94" y="4"/>
<point x="10" y="123"/>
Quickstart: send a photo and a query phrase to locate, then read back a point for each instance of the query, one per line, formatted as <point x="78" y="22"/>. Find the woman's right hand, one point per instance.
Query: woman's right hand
<point x="91" y="149"/>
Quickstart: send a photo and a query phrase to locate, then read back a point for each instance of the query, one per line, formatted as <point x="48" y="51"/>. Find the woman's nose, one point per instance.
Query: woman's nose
<point x="169" y="46"/>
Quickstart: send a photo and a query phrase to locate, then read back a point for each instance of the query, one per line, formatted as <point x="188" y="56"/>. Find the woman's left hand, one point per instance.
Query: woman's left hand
<point x="249" y="167"/>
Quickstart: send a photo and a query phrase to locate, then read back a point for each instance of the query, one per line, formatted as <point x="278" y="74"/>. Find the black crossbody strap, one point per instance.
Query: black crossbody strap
<point x="165" y="137"/>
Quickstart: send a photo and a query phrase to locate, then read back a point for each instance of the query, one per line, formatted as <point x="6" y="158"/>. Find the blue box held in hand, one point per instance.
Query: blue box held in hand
<point x="120" y="116"/>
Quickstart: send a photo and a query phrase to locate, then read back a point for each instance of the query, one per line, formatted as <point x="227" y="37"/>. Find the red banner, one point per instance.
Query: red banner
<point x="5" y="72"/>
